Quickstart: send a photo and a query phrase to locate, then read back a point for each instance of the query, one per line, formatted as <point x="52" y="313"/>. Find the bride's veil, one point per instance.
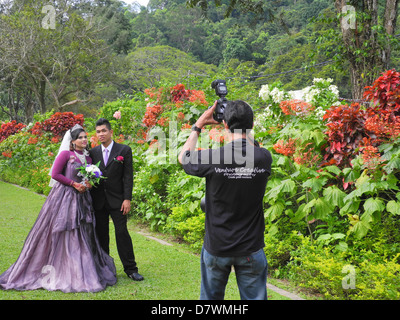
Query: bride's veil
<point x="65" y="143"/>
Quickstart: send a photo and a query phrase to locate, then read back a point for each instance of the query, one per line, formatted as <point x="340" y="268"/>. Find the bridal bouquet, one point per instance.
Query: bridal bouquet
<point x="91" y="173"/>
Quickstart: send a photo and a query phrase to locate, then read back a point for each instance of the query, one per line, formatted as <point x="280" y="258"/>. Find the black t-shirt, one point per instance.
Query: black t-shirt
<point x="236" y="177"/>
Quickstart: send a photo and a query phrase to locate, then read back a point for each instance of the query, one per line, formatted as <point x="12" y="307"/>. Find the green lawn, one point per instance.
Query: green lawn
<point x="171" y="272"/>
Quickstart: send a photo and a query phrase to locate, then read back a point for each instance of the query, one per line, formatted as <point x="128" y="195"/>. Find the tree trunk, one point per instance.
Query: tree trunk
<point x="42" y="96"/>
<point x="29" y="105"/>
<point x="366" y="56"/>
<point x="389" y="23"/>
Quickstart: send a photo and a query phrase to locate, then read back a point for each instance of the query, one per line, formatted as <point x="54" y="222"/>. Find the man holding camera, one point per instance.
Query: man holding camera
<point x="236" y="176"/>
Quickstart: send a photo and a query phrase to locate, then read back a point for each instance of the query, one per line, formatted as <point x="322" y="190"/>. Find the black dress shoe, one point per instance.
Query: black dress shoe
<point x="136" y="276"/>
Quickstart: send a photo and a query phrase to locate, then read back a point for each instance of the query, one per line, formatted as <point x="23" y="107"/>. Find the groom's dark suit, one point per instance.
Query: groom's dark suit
<point x="107" y="200"/>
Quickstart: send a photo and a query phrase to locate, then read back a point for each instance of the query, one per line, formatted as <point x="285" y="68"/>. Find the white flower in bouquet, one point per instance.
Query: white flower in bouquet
<point x="91" y="173"/>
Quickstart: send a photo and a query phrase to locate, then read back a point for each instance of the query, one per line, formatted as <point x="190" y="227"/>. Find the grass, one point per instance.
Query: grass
<point x="171" y="272"/>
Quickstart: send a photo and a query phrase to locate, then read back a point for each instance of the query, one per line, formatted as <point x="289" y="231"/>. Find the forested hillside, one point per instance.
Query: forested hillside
<point x="102" y="50"/>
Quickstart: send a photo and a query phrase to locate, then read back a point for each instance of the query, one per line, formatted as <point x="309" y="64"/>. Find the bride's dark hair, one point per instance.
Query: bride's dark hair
<point x="75" y="135"/>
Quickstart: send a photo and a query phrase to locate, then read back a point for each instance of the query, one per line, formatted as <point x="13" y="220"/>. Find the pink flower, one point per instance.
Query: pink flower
<point x="117" y="115"/>
<point x="119" y="159"/>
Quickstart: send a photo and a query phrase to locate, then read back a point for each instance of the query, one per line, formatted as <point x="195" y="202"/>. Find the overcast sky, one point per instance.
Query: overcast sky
<point x="142" y="2"/>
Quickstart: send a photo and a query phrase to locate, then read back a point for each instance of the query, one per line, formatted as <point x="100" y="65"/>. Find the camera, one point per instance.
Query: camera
<point x="221" y="90"/>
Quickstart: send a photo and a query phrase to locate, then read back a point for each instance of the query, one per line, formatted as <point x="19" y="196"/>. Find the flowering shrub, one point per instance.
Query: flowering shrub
<point x="385" y="92"/>
<point x="10" y="128"/>
<point x="168" y="102"/>
<point x="272" y="93"/>
<point x="58" y="124"/>
<point x="321" y="93"/>
<point x="151" y="115"/>
<point x="345" y="132"/>
<point x="332" y="198"/>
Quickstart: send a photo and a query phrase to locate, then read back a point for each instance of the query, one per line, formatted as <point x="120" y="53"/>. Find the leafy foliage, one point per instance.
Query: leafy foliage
<point x="320" y="216"/>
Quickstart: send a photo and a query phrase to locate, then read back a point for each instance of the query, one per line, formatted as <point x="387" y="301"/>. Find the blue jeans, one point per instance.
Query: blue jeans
<point x="251" y="275"/>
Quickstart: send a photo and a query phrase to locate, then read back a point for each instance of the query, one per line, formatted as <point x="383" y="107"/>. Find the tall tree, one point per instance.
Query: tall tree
<point x="366" y="39"/>
<point x="53" y="53"/>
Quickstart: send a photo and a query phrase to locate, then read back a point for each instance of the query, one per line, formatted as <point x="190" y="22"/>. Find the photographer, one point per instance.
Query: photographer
<point x="236" y="176"/>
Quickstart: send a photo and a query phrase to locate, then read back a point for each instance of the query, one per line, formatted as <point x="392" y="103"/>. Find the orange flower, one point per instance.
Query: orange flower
<point x="286" y="148"/>
<point x="163" y="122"/>
<point x="198" y="97"/>
<point x="120" y="139"/>
<point x="33" y="140"/>
<point x="307" y="156"/>
<point x="181" y="116"/>
<point x="150" y="117"/>
<point x="94" y="141"/>
<point x="7" y="154"/>
<point x="186" y="126"/>
<point x="217" y="135"/>
<point x="296" y="107"/>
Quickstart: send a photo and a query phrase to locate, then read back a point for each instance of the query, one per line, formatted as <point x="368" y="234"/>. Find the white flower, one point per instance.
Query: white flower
<point x="334" y="90"/>
<point x="264" y="92"/>
<point x="96" y="170"/>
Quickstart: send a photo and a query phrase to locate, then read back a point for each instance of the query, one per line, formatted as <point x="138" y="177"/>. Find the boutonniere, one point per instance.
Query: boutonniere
<point x="119" y="159"/>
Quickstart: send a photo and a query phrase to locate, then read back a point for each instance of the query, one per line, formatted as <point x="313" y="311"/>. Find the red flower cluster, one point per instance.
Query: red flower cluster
<point x="150" y="117"/>
<point x="385" y="91"/>
<point x="33" y="140"/>
<point x="9" y="128"/>
<point x="307" y="156"/>
<point x="7" y="154"/>
<point x="163" y="122"/>
<point x="179" y="93"/>
<point x="217" y="134"/>
<point x="198" y="97"/>
<point x="186" y="126"/>
<point x="94" y="141"/>
<point x="345" y="131"/>
<point x="58" y="123"/>
<point x="181" y="116"/>
<point x="370" y="155"/>
<point x="287" y="148"/>
<point x="142" y="135"/>
<point x="296" y="107"/>
<point x="383" y="125"/>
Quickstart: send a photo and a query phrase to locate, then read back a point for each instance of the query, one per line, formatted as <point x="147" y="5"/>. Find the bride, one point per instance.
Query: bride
<point x="61" y="251"/>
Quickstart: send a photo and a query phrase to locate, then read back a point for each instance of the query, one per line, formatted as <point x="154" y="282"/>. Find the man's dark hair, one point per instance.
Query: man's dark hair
<point x="238" y="115"/>
<point x="102" y="122"/>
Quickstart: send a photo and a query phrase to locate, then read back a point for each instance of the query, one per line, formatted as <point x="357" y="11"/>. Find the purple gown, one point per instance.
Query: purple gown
<point x="62" y="251"/>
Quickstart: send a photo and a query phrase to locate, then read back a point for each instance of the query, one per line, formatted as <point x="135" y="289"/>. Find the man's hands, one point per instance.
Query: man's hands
<point x="207" y="117"/>
<point x="126" y="207"/>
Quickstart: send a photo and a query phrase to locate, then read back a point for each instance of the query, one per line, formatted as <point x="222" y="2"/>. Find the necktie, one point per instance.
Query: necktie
<point x="105" y="156"/>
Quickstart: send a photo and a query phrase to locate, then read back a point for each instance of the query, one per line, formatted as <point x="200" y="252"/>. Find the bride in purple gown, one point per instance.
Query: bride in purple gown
<point x="61" y="251"/>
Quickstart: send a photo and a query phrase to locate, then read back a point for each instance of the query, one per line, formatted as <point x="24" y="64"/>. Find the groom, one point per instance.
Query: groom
<point x="112" y="197"/>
